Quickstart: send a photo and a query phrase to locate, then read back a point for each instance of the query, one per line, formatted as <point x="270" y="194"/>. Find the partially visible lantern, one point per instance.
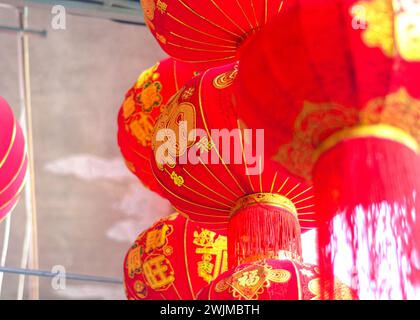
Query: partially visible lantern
<point x="267" y="279"/>
<point x="174" y="260"/>
<point x="206" y="30"/>
<point x="213" y="170"/>
<point x="340" y="94"/>
<point x="142" y="105"/>
<point x="13" y="159"/>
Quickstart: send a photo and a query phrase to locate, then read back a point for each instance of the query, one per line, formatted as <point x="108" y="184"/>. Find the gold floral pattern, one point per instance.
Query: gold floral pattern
<point x="178" y="118"/>
<point x="317" y="122"/>
<point x="250" y="282"/>
<point x="226" y="79"/>
<point x="140" y="101"/>
<point x="392" y="25"/>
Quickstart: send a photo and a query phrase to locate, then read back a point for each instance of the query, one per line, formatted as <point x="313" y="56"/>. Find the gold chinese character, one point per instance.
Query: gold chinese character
<point x="210" y="246"/>
<point x="134" y="260"/>
<point x="249" y="278"/>
<point x="157" y="238"/>
<point x="158" y="272"/>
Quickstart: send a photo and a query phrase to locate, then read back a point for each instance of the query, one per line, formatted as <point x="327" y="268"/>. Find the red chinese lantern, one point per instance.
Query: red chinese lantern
<point x="340" y="94"/>
<point x="206" y="30"/>
<point x="142" y="105"/>
<point x="13" y="159"/>
<point x="174" y="260"/>
<point x="213" y="170"/>
<point x="268" y="279"/>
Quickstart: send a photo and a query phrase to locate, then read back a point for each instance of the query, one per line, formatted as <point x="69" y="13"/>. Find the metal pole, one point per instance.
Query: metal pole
<point x="25" y="88"/>
<point x="68" y="276"/>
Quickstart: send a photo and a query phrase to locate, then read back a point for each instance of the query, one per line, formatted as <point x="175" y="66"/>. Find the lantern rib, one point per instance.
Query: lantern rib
<point x="265" y="12"/>
<point x="19" y="171"/>
<point x="243" y="12"/>
<point x="281" y="6"/>
<point x="15" y="196"/>
<point x="187" y="212"/>
<point x="204" y="196"/>
<point x="207" y="187"/>
<point x="199" y="31"/>
<point x="139" y="154"/>
<point x="218" y="180"/>
<point x="255" y="15"/>
<point x="243" y="156"/>
<point x="208" y="20"/>
<point x="9" y="148"/>
<point x="228" y="17"/>
<point x="209" y="135"/>
<point x="176" y="291"/>
<point x="282" y="186"/>
<point x="298" y="280"/>
<point x="175" y="77"/>
<point x="260" y="175"/>
<point x="299" y="194"/>
<point x="302" y="200"/>
<point x="185" y="200"/>
<point x="209" y="60"/>
<point x="186" y="260"/>
<point x="293" y="189"/>
<point x="198" y="49"/>
<point x="202" y="42"/>
<point x="305" y="207"/>
<point x="274" y="181"/>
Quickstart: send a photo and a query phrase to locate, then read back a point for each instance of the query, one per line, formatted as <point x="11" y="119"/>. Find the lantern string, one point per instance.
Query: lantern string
<point x="67" y="276"/>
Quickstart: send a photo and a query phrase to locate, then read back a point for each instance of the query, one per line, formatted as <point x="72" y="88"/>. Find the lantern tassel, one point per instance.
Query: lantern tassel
<point x="367" y="193"/>
<point x="262" y="232"/>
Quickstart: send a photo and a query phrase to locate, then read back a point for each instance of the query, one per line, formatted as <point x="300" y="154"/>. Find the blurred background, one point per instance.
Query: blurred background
<point x="90" y="208"/>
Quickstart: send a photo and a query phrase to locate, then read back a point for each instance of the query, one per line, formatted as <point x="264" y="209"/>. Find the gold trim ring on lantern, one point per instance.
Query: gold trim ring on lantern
<point x="381" y="131"/>
<point x="261" y="198"/>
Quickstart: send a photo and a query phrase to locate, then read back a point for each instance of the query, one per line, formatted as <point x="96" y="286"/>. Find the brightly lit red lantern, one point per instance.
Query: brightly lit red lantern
<point x="338" y="94"/>
<point x="214" y="171"/>
<point x="142" y="105"/>
<point x="267" y="279"/>
<point x="174" y="260"/>
<point x="206" y="30"/>
<point x="13" y="159"/>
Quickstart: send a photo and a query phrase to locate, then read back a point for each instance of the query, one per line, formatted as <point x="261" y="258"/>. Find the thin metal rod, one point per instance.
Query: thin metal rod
<point x="42" y="33"/>
<point x="68" y="276"/>
<point x="6" y="237"/>
<point x="25" y="76"/>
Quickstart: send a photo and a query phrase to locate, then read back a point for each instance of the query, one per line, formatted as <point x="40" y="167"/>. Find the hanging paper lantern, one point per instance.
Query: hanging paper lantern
<point x="269" y="279"/>
<point x="142" y="105"/>
<point x="214" y="171"/>
<point x="13" y="159"/>
<point x="339" y="97"/>
<point x="206" y="30"/>
<point x="174" y="260"/>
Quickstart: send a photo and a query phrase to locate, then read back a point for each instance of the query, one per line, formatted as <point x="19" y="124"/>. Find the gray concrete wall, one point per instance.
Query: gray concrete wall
<point x="89" y="206"/>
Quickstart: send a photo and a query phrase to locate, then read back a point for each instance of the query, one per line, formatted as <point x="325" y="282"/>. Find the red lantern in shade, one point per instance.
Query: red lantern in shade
<point x="13" y="159"/>
<point x="213" y="170"/>
<point x="340" y="94"/>
<point x="141" y="106"/>
<point x="174" y="260"/>
<point x="269" y="279"/>
<point x="206" y="30"/>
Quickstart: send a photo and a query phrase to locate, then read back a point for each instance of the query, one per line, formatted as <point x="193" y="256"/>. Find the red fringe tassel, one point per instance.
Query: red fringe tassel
<point x="368" y="202"/>
<point x="263" y="232"/>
